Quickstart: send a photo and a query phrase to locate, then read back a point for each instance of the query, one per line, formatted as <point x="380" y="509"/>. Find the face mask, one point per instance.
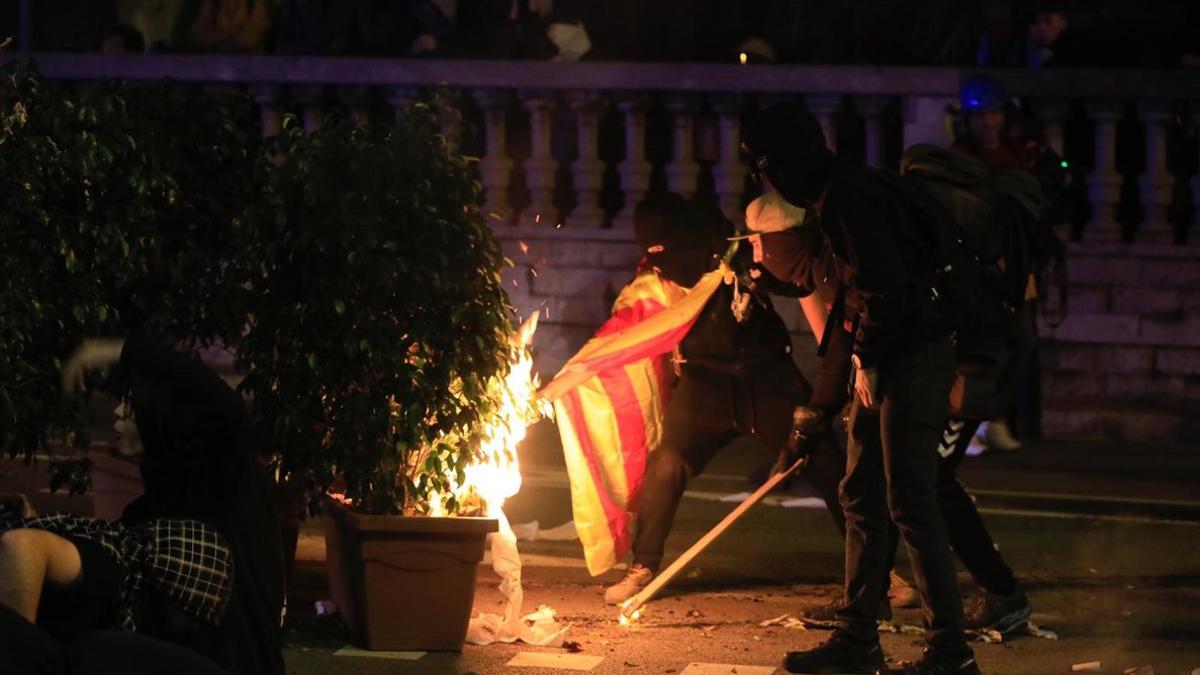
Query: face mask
<point x="772" y="213"/>
<point x="129" y="441"/>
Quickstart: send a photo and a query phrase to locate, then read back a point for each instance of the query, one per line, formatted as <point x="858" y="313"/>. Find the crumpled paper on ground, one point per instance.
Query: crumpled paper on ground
<point x="533" y="531"/>
<point x="889" y="627"/>
<point x="537" y="628"/>
<point x="785" y="620"/>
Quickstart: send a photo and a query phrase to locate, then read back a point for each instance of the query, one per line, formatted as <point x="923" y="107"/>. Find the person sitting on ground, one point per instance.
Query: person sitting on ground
<point x="70" y="587"/>
<point x="198" y="464"/>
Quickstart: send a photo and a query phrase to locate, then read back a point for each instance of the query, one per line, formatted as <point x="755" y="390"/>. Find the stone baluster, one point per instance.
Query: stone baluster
<point x="450" y="118"/>
<point x="729" y="173"/>
<point x="872" y="108"/>
<point x="400" y="98"/>
<point x="541" y="165"/>
<point x="825" y="107"/>
<point x="495" y="168"/>
<point x="1155" y="183"/>
<point x="312" y="106"/>
<point x="1053" y="112"/>
<point x="1194" y="235"/>
<point x="267" y="98"/>
<point x="634" y="169"/>
<point x="356" y="100"/>
<point x="682" y="171"/>
<point x="1104" y="184"/>
<point x="588" y="169"/>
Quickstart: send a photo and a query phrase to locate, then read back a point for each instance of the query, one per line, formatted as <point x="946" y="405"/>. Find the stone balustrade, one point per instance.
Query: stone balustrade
<point x="566" y="150"/>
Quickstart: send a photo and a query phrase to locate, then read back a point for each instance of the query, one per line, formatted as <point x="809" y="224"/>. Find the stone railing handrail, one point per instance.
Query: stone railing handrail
<point x="680" y="77"/>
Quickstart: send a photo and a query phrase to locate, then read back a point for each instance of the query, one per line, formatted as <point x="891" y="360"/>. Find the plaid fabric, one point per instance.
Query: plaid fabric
<point x="187" y="561"/>
<point x="190" y="563"/>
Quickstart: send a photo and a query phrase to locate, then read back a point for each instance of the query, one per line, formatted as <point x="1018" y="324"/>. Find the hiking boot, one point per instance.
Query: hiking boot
<point x="836" y="655"/>
<point x="998" y="437"/>
<point x="825" y="616"/>
<point x="937" y="662"/>
<point x="902" y="594"/>
<point x="1003" y="613"/>
<point x="637" y="578"/>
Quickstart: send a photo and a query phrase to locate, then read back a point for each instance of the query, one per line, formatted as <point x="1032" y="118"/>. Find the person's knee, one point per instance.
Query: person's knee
<point x="58" y="556"/>
<point x="666" y="462"/>
<point x="913" y="508"/>
<point x="23" y="544"/>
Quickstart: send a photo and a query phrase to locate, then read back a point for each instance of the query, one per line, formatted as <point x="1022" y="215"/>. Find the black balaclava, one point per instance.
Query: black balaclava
<point x="787" y="146"/>
<point x="676" y="236"/>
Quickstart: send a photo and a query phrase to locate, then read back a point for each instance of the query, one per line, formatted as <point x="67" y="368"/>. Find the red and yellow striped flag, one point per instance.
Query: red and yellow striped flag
<point x="609" y="401"/>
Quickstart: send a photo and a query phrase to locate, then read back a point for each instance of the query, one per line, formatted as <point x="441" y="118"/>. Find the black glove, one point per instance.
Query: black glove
<point x="806" y="423"/>
<point x="759" y="278"/>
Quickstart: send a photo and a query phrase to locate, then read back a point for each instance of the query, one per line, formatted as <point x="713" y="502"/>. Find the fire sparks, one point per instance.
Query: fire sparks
<point x="524" y="246"/>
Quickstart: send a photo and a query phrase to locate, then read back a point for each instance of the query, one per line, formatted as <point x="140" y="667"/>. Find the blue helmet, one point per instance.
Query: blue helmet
<point x="981" y="92"/>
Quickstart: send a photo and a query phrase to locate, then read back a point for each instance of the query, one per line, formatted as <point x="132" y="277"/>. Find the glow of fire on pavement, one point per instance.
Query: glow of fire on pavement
<point x="630" y="618"/>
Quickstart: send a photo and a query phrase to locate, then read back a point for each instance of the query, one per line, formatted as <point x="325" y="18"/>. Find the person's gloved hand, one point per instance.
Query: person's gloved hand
<point x="761" y="279"/>
<point x="806" y="423"/>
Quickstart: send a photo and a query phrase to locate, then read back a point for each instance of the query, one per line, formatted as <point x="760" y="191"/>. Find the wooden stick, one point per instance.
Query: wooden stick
<point x="632" y="605"/>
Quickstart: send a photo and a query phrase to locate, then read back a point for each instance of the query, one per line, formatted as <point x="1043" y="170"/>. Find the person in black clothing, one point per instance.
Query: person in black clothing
<point x="198" y="464"/>
<point x="800" y="255"/>
<point x="903" y="358"/>
<point x="737" y="377"/>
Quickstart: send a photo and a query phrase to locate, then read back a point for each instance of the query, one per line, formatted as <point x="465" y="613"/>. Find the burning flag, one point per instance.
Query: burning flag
<point x="609" y="401"/>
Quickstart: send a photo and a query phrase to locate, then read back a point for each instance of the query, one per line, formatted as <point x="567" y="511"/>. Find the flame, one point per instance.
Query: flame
<point x="496" y="475"/>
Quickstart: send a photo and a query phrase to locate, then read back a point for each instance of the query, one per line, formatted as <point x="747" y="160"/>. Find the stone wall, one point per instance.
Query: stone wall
<point x="1126" y="361"/>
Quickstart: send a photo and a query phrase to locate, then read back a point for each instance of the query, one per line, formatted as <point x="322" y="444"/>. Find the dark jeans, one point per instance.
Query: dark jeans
<point x="1021" y="341"/>
<point x="968" y="535"/>
<point x="706" y="411"/>
<point x="891" y="476"/>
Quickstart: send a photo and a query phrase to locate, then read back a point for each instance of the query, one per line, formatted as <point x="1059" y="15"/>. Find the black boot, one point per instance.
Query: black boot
<point x="838" y="654"/>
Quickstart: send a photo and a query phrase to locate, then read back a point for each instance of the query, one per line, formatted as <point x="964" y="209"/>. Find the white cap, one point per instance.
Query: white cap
<point x="772" y="213"/>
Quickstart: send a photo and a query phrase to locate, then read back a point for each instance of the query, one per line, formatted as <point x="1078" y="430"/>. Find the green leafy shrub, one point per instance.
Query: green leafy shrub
<point x="377" y="318"/>
<point x="120" y="207"/>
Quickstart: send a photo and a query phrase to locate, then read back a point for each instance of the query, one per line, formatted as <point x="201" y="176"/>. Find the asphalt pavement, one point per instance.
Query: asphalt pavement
<point x="1104" y="537"/>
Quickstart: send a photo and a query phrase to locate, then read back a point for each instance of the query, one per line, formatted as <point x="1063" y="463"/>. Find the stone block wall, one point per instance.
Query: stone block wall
<point x="1126" y="361"/>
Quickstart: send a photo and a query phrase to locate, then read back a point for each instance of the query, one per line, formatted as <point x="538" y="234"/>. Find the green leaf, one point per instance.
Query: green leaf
<point x="339" y="306"/>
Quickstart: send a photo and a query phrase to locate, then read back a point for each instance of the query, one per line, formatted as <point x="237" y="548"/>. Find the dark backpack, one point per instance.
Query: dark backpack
<point x="966" y="291"/>
<point x="995" y="213"/>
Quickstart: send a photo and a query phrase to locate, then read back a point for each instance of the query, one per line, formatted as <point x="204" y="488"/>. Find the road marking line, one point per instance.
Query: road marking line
<point x="1087" y="498"/>
<point x="394" y="656"/>
<point x="1057" y="515"/>
<point x="726" y="669"/>
<point x="554" y="660"/>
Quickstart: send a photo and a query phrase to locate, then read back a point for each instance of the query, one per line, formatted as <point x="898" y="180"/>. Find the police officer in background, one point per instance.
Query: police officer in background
<point x="903" y="357"/>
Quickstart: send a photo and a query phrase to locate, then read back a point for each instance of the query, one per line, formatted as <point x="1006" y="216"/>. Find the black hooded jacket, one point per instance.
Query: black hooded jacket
<point x="199" y="463"/>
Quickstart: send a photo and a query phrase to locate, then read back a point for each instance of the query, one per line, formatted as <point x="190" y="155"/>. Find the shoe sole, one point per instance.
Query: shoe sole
<point x="864" y="670"/>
